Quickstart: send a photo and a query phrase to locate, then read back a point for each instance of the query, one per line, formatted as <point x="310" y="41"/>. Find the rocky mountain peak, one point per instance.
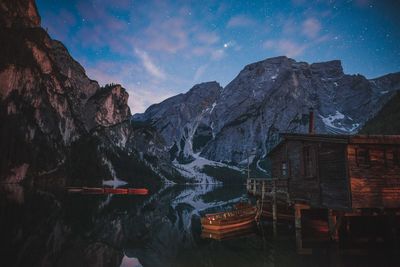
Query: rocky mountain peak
<point x="55" y="121"/>
<point x="330" y="69"/>
<point x="266" y="98"/>
<point x="19" y="14"/>
<point x="204" y="90"/>
<point x="109" y="106"/>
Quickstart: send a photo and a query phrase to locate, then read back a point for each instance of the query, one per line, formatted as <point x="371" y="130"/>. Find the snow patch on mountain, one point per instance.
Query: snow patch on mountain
<point x="335" y="123"/>
<point x="194" y="170"/>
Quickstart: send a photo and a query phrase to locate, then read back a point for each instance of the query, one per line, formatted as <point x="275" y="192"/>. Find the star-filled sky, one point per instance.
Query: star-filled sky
<point x="159" y="48"/>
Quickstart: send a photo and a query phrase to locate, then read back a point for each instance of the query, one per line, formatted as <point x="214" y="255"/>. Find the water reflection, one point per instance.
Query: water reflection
<point x="53" y="228"/>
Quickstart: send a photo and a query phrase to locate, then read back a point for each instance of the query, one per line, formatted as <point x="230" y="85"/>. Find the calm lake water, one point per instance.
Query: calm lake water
<point x="54" y="228"/>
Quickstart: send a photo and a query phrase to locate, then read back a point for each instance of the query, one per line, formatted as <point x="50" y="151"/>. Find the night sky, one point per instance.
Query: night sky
<point x="157" y="49"/>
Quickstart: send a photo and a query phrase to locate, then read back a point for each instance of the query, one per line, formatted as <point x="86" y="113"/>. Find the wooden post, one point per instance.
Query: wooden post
<point x="263" y="190"/>
<point x="297" y="224"/>
<point x="332" y="222"/>
<point x="274" y="205"/>
<point x="274" y="209"/>
<point x="254" y="187"/>
<point x="297" y="216"/>
<point x="299" y="238"/>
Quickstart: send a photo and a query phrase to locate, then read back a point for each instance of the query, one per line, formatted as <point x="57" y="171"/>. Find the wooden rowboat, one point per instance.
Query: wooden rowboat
<point x="241" y="232"/>
<point x="230" y="220"/>
<point x="108" y="190"/>
<point x="120" y="191"/>
<point x="138" y="191"/>
<point x="93" y="190"/>
<point x="75" y="190"/>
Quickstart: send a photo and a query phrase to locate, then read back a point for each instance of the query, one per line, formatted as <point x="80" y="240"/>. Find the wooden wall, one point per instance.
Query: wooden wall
<point x="333" y="176"/>
<point x="303" y="185"/>
<point x="375" y="175"/>
<point x="321" y="183"/>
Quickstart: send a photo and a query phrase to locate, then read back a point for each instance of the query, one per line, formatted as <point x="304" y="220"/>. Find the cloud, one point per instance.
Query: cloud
<point x="217" y="54"/>
<point x="286" y="47"/>
<point x="240" y="21"/>
<point x="149" y="65"/>
<point x="169" y="35"/>
<point x="141" y="97"/>
<point x="208" y="38"/>
<point x="311" y="27"/>
<point x="199" y="72"/>
<point x="142" y="91"/>
<point x="292" y="48"/>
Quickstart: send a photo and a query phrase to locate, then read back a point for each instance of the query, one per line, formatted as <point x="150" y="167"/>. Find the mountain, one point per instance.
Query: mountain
<point x="387" y="121"/>
<point x="184" y="120"/>
<point x="57" y="124"/>
<point x="244" y="119"/>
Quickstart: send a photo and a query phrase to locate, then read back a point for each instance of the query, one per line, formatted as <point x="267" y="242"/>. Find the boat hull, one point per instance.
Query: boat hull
<point x="229" y="221"/>
<point x="224" y="235"/>
<point x="108" y="190"/>
<point x="234" y="226"/>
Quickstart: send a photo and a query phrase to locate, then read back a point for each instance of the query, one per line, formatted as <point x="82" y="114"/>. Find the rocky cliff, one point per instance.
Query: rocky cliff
<point x="268" y="97"/>
<point x="53" y="117"/>
<point x="387" y="121"/>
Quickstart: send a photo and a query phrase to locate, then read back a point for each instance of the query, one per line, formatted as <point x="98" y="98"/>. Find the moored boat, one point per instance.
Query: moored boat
<point x="119" y="191"/>
<point x="224" y="235"/>
<point x="93" y="190"/>
<point x="75" y="190"/>
<point x="138" y="191"/>
<point x="108" y="190"/>
<point x="230" y="220"/>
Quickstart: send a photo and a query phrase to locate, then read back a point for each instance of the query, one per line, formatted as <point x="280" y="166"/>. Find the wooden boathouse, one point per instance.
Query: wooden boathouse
<point x="346" y="175"/>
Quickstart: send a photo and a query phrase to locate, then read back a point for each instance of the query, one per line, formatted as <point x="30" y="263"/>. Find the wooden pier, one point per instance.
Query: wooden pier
<point x="335" y="177"/>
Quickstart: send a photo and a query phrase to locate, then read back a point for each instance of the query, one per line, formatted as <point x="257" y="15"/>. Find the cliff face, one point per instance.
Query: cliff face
<point x="387" y="121"/>
<point x="19" y="14"/>
<point x="266" y="98"/>
<point x="50" y="109"/>
<point x="179" y="119"/>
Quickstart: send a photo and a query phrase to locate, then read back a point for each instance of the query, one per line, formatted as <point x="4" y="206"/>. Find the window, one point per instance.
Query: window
<point x="284" y="170"/>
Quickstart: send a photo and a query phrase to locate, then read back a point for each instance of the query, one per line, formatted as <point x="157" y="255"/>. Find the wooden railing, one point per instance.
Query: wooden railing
<point x="269" y="187"/>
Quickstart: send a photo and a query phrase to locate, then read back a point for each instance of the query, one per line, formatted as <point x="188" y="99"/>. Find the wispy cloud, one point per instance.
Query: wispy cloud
<point x="311" y="27"/>
<point x="199" y="72"/>
<point x="286" y="47"/>
<point x="170" y="35"/>
<point x="141" y="97"/>
<point x="217" y="54"/>
<point x="208" y="38"/>
<point x="142" y="92"/>
<point x="149" y="65"/>
<point x="240" y="21"/>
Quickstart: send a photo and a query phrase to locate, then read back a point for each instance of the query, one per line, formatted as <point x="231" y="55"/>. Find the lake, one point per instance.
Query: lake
<point x="51" y="227"/>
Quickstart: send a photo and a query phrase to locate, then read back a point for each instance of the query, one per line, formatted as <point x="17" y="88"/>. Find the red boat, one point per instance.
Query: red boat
<point x="118" y="191"/>
<point x="138" y="191"/>
<point x="93" y="190"/>
<point x="108" y="190"/>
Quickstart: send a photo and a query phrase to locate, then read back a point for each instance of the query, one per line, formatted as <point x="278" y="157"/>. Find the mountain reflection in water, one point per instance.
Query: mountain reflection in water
<point x="53" y="228"/>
